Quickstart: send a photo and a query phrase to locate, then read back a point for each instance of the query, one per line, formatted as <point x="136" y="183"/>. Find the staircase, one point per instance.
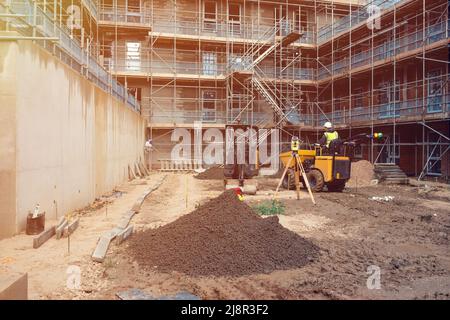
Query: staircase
<point x="265" y="92"/>
<point x="390" y="173"/>
<point x="257" y="53"/>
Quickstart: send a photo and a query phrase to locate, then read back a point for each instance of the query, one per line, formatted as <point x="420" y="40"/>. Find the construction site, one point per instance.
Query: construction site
<point x="223" y="150"/>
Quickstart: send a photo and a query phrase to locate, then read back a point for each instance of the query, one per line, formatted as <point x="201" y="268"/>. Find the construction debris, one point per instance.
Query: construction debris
<point x="382" y="199"/>
<point x="222" y="240"/>
<point x="137" y="294"/>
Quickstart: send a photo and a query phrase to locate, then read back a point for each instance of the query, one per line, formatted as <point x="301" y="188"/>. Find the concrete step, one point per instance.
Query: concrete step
<point x="396" y="180"/>
<point x="386" y="167"/>
<point x="397" y="175"/>
<point x="391" y="170"/>
<point x="390" y="173"/>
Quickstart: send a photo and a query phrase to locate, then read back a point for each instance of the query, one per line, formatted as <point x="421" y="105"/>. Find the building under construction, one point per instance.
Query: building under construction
<point x="114" y="181"/>
<point x="292" y="65"/>
<point x="367" y="67"/>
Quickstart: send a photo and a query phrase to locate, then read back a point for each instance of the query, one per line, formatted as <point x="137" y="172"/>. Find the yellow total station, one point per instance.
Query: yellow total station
<point x="295" y="144"/>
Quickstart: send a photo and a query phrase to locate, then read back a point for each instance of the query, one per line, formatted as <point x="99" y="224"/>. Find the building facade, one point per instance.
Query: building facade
<point x="366" y="66"/>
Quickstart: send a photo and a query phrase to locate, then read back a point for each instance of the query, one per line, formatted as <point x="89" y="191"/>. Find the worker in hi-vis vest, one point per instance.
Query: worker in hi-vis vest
<point x="329" y="135"/>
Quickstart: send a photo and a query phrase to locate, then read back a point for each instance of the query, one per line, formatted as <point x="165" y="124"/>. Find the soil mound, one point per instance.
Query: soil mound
<point x="213" y="173"/>
<point x="361" y="174"/>
<point x="223" y="237"/>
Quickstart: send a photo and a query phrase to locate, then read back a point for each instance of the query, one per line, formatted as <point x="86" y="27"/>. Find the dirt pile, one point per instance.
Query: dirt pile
<point x="361" y="174"/>
<point x="223" y="237"/>
<point x="213" y="173"/>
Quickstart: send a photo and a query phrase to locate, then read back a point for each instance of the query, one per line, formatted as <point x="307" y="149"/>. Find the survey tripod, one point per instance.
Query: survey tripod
<point x="298" y="170"/>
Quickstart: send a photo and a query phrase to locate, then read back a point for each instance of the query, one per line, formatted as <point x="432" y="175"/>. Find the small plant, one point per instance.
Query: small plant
<point x="270" y="208"/>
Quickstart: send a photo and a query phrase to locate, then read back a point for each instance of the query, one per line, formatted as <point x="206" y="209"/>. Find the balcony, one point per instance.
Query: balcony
<point x="124" y="17"/>
<point x="212" y="118"/>
<point x="401" y="111"/>
<point x="388" y="49"/>
<point x="64" y="46"/>
<point x="131" y="59"/>
<point x="354" y="18"/>
<point x="180" y="69"/>
<point x="427" y="98"/>
<point x="169" y="23"/>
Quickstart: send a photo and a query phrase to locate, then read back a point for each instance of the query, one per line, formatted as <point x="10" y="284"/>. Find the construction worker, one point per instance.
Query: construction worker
<point x="329" y="135"/>
<point x="148" y="148"/>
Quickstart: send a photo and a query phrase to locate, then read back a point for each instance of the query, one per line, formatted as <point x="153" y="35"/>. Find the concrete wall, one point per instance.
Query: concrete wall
<point x="63" y="140"/>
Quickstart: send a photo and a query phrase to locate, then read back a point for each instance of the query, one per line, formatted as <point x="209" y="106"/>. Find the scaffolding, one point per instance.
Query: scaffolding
<point x="286" y="64"/>
<point x="45" y="23"/>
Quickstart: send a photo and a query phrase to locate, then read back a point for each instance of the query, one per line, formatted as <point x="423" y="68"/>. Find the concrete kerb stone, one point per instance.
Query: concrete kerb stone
<point x="101" y="249"/>
<point x="137" y="205"/>
<point x="122" y="229"/>
<point x="61" y="221"/>
<point x="60" y="229"/>
<point x="111" y="234"/>
<point x="68" y="230"/>
<point x="125" y="220"/>
<point x="103" y="244"/>
<point x="124" y="234"/>
<point x="41" y="238"/>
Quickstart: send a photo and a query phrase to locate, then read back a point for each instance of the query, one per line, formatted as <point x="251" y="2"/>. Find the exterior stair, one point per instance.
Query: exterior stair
<point x="268" y="97"/>
<point x="390" y="173"/>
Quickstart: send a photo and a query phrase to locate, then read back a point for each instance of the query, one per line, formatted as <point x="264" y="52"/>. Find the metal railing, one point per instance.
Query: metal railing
<point x="161" y="61"/>
<point x="354" y="18"/>
<point x="190" y="23"/>
<point x="205" y="116"/>
<point x="150" y="67"/>
<point x="122" y="14"/>
<point x="387" y="49"/>
<point x="435" y="104"/>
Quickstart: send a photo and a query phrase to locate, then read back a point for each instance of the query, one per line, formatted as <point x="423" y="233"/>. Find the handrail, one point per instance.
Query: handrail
<point x="353" y="18"/>
<point x="387" y="49"/>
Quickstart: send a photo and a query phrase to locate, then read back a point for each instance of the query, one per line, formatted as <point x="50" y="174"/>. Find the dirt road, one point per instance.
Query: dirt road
<point x="406" y="238"/>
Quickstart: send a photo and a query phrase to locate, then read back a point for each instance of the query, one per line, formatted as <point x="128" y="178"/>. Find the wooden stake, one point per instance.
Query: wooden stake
<point x="56" y="208"/>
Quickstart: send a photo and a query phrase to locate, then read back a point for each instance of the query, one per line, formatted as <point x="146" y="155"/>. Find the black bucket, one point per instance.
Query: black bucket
<point x="35" y="225"/>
